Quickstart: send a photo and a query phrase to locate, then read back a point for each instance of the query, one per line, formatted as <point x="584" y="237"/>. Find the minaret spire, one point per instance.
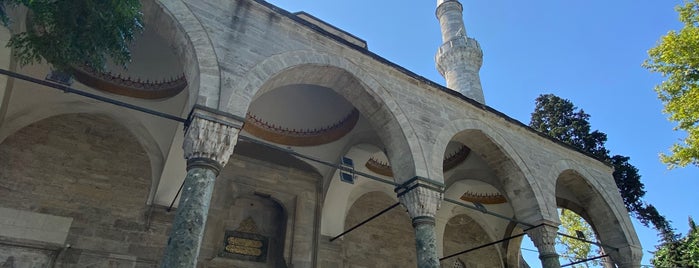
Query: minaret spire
<point x="459" y="58"/>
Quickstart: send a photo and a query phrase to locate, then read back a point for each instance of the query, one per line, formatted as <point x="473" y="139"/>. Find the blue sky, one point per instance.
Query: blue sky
<point x="587" y="51"/>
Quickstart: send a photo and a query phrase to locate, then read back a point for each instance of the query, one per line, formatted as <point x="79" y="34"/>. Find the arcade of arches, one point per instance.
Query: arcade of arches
<point x="291" y="138"/>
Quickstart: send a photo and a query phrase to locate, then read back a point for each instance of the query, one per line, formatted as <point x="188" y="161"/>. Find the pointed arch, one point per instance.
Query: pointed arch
<point x="177" y="23"/>
<point x="349" y="81"/>
<point x="512" y="173"/>
<point x="139" y="131"/>
<point x="595" y="197"/>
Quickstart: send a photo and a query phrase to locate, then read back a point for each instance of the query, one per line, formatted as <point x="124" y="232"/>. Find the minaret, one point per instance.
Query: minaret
<point x="459" y="58"/>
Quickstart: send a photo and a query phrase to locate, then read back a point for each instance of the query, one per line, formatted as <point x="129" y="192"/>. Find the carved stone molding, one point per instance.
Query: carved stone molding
<point x="300" y="137"/>
<point x="127" y="86"/>
<point x="450" y="162"/>
<point x="421" y="197"/>
<point x="544" y="238"/>
<point x="210" y="137"/>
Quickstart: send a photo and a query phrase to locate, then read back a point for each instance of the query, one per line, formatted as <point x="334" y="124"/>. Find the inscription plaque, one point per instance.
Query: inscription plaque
<point x="245" y="243"/>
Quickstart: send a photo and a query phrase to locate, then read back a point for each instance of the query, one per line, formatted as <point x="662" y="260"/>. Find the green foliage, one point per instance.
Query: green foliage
<point x="75" y="32"/>
<point x="574" y="249"/>
<point x="676" y="59"/>
<point x="682" y="252"/>
<point x="560" y="119"/>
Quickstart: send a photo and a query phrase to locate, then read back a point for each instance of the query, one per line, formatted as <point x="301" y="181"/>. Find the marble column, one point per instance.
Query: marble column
<point x="209" y="141"/>
<point x="422" y="197"/>
<point x="544" y="238"/>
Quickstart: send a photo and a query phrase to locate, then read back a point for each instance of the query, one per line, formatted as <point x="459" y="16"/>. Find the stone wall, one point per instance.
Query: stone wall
<point x="462" y="233"/>
<point x="387" y="241"/>
<point x="89" y="169"/>
<point x="278" y="193"/>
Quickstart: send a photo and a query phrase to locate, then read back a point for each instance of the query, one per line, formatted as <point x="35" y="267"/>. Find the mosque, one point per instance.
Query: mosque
<point x="272" y="139"/>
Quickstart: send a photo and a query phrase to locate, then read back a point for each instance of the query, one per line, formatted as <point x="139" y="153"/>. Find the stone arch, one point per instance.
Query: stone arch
<point x="340" y="196"/>
<point x="462" y="231"/>
<point x="454" y="190"/>
<point x="177" y="23"/>
<point x="77" y="165"/>
<point x="583" y="193"/>
<point x="249" y="216"/>
<point x="512" y="255"/>
<point x="137" y="129"/>
<point x="515" y="179"/>
<point x="368" y="95"/>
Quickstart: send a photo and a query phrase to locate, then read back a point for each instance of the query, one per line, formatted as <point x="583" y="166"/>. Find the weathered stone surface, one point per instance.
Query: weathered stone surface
<point x="210" y="136"/>
<point x="544" y="238"/>
<point x="21" y="256"/>
<point x="89" y="169"/>
<point x="232" y="52"/>
<point x="421" y="199"/>
<point x="462" y="233"/>
<point x="387" y="241"/>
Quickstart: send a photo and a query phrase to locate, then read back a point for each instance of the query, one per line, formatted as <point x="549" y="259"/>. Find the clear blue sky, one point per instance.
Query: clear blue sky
<point x="587" y="51"/>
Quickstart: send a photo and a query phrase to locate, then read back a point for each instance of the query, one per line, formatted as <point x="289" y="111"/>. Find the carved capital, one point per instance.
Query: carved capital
<point x="544" y="238"/>
<point x="421" y="197"/>
<point x="210" y="138"/>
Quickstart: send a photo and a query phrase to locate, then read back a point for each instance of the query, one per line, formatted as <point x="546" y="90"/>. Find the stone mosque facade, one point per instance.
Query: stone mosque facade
<point x="295" y="132"/>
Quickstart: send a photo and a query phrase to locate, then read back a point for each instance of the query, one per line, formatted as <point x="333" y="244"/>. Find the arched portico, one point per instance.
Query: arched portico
<point x="175" y="22"/>
<point x="87" y="170"/>
<point x="347" y="80"/>
<point x="592" y="198"/>
<point x="138" y="130"/>
<point x="512" y="175"/>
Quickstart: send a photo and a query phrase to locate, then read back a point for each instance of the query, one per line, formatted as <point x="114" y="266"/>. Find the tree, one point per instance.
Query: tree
<point x="560" y="119"/>
<point x="76" y="32"/>
<point x="682" y="252"/>
<point x="675" y="58"/>
<point x="574" y="225"/>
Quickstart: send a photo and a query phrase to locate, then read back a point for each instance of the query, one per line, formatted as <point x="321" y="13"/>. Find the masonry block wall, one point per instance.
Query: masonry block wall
<point x="86" y="174"/>
<point x="89" y="169"/>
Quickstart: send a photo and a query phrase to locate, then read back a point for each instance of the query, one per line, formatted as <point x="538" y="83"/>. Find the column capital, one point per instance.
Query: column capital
<point x="544" y="235"/>
<point x="210" y="137"/>
<point x="421" y="197"/>
<point x="544" y="238"/>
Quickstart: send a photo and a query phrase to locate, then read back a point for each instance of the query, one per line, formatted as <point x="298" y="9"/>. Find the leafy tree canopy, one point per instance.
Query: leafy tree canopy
<point x="683" y="252"/>
<point x="75" y="32"/>
<point x="560" y="119"/>
<point x="675" y="57"/>
<point x="574" y="225"/>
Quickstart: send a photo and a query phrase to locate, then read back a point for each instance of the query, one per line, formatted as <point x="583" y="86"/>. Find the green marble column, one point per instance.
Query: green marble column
<point x="188" y="227"/>
<point x="426" y="242"/>
<point x="209" y="141"/>
<point x="422" y="197"/>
